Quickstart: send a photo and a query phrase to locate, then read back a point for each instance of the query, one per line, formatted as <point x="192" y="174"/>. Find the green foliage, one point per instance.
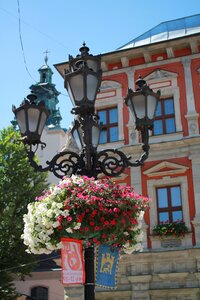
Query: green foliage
<point x="19" y="185"/>
<point x="171" y="229"/>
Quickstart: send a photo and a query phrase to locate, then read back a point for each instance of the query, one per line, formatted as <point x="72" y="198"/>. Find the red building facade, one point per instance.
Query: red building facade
<point x="168" y="58"/>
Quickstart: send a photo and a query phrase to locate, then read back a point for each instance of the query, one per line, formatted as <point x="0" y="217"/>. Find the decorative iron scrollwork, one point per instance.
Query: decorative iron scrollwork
<point x="110" y="162"/>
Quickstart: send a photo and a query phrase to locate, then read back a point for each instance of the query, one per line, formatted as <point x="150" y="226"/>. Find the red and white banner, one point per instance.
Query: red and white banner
<point x="72" y="262"/>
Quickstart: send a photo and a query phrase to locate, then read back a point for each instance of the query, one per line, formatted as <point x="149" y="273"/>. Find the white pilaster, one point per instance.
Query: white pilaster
<point x="192" y="115"/>
<point x="195" y="159"/>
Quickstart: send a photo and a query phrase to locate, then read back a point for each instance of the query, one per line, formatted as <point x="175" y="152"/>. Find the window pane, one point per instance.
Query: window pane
<point x="113" y="118"/>
<point x="102" y="115"/>
<point x="162" y="198"/>
<point x="168" y="106"/>
<point x="163" y="217"/>
<point x="113" y="134"/>
<point x="39" y="293"/>
<point x="175" y="196"/>
<point x="158" y="110"/>
<point x="170" y="125"/>
<point x="103" y="137"/>
<point x="158" y="127"/>
<point x="177" y="215"/>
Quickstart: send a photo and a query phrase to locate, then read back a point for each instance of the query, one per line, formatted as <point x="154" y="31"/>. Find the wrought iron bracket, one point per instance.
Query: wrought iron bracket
<point x="110" y="162"/>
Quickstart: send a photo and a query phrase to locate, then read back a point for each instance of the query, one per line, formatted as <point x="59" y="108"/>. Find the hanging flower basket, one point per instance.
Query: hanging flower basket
<point x="98" y="211"/>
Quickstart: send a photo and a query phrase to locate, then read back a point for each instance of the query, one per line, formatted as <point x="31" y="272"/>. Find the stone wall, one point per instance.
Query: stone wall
<point x="153" y="275"/>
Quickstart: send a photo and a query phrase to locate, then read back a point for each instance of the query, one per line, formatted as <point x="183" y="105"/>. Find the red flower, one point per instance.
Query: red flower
<point x="113" y="222"/>
<point x="96" y="241"/>
<point x="93" y="214"/>
<point x="134" y="221"/>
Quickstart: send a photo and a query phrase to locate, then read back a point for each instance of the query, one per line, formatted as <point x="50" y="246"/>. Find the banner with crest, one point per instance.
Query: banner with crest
<point x="72" y="261"/>
<point x="107" y="266"/>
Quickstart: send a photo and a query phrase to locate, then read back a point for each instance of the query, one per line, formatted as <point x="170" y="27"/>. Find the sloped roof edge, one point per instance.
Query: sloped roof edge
<point x="166" y="31"/>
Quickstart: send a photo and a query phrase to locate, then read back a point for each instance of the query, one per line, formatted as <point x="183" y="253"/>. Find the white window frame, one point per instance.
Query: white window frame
<point x="168" y="181"/>
<point x="108" y="99"/>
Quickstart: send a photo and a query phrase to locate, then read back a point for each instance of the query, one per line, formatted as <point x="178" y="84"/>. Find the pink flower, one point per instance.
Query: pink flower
<point x="69" y="219"/>
<point x="60" y="218"/>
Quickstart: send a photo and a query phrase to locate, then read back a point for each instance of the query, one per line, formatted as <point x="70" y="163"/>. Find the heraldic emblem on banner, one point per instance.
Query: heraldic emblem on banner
<point x="106" y="265"/>
<point x="72" y="261"/>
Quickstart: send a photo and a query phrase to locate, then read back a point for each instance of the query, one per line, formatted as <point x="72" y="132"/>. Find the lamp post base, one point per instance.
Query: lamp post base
<point x="89" y="291"/>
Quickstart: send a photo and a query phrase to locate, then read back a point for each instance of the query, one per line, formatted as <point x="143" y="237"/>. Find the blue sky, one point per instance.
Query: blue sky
<point x="61" y="26"/>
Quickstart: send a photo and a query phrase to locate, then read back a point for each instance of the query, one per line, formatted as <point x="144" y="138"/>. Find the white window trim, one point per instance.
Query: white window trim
<point x="115" y="101"/>
<point x="156" y="81"/>
<point x="168" y="181"/>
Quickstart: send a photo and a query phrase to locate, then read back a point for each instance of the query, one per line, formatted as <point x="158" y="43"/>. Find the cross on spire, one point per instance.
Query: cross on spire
<point x="46" y="57"/>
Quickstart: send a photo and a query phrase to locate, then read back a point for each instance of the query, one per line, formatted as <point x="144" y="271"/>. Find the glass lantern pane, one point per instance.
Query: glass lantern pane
<point x="92" y="83"/>
<point x="170" y="125"/>
<point x="114" y="134"/>
<point x="92" y="64"/>
<point x="77" y="86"/>
<point x="103" y="137"/>
<point x="95" y="136"/>
<point x="77" y="139"/>
<point x="163" y="217"/>
<point x="70" y="94"/>
<point x="177" y="215"/>
<point x="21" y="120"/>
<point x="33" y="118"/>
<point x="151" y="106"/>
<point x="162" y="198"/>
<point x="113" y="117"/>
<point x="42" y="122"/>
<point x="175" y="196"/>
<point x="139" y="104"/>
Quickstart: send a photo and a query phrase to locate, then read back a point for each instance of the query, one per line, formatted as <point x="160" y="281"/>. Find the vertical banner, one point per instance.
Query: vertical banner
<point x="72" y="261"/>
<point x="106" y="266"/>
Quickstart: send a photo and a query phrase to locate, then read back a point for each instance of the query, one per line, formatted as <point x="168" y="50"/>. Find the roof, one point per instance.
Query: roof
<point x="167" y="31"/>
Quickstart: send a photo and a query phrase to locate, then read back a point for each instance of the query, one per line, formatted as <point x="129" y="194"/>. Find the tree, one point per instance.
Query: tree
<point x="19" y="185"/>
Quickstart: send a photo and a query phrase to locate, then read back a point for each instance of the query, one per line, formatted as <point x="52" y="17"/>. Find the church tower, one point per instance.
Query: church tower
<point x="45" y="91"/>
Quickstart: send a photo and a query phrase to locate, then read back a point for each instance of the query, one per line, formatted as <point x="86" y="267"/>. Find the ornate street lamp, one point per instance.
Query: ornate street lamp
<point x="82" y="82"/>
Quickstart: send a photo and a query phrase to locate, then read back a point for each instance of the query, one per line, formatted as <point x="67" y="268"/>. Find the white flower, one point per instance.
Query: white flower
<point x="78" y="225"/>
<point x="56" y="224"/>
<point x="65" y="213"/>
<point x="141" y="215"/>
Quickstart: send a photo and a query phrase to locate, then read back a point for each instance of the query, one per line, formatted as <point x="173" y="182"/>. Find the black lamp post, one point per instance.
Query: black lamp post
<point x="82" y="81"/>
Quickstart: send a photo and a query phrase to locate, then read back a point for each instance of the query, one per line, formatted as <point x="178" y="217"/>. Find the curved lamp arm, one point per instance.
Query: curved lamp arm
<point x="110" y="162"/>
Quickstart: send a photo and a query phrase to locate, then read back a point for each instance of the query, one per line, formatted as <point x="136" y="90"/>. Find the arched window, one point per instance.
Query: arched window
<point x="39" y="293"/>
